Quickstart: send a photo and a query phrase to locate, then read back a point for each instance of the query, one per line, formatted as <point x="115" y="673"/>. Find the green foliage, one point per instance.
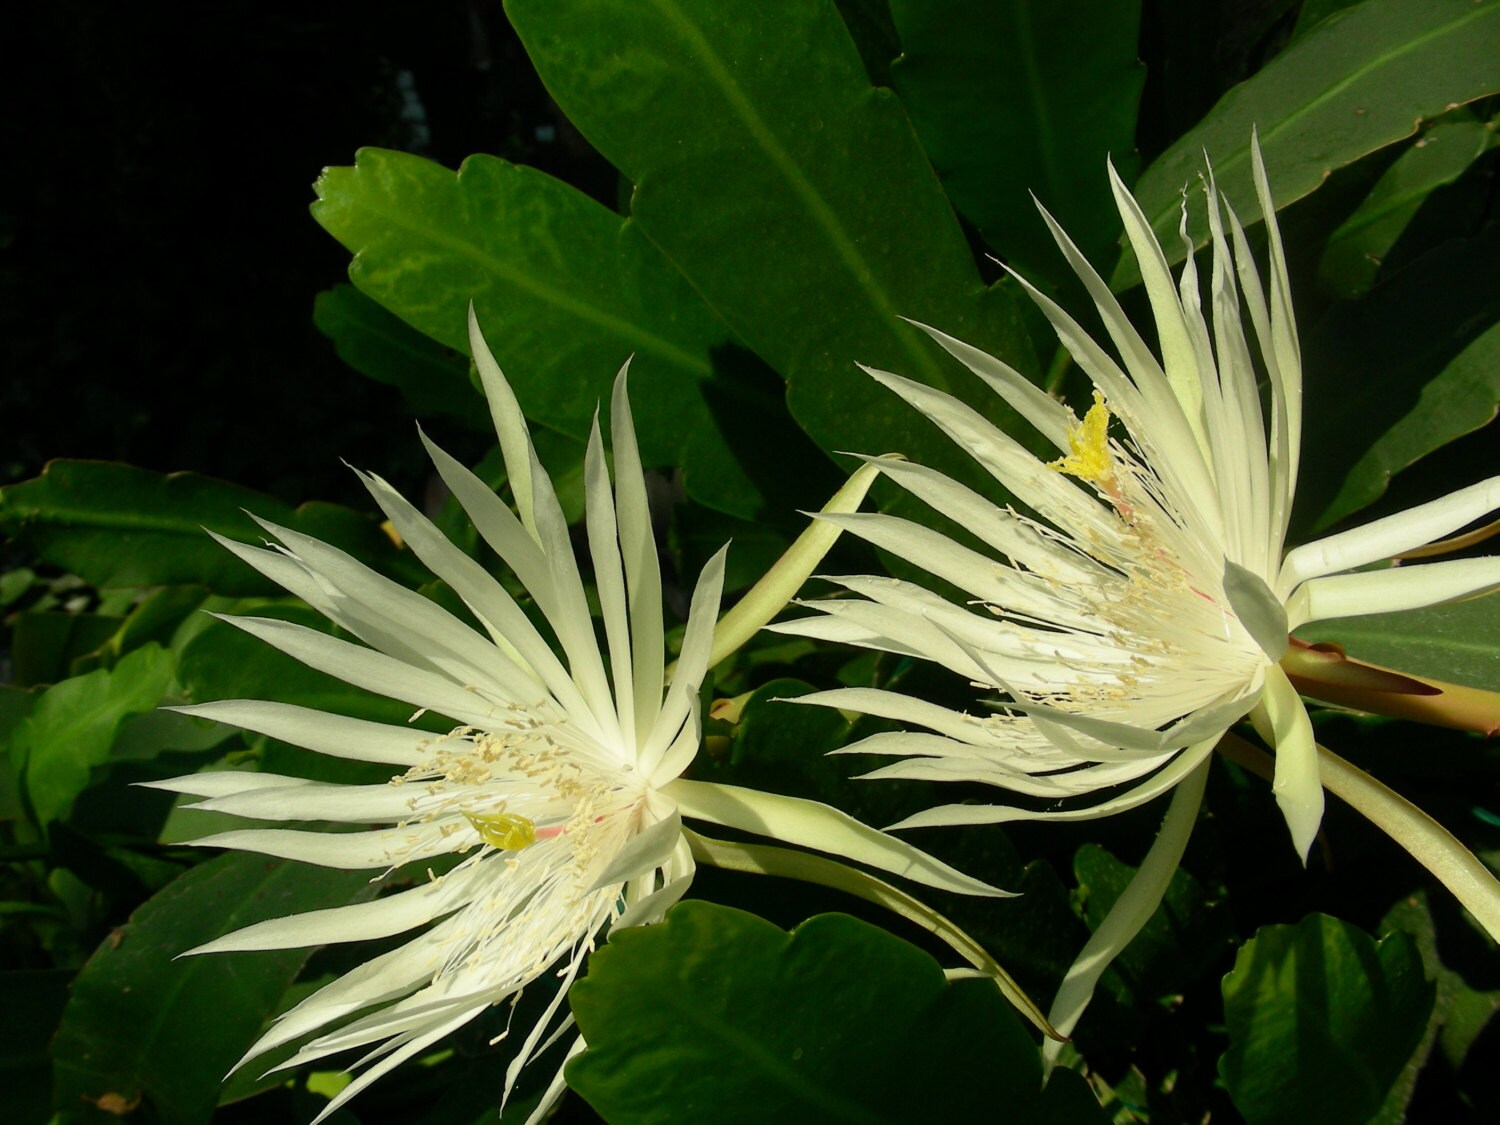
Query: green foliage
<point x="793" y="177"/>
<point x="690" y="101"/>
<point x="831" y="1022"/>
<point x="115" y="525"/>
<point x="72" y="727"/>
<point x="1019" y="99"/>
<point x="1354" y="1009"/>
<point x="1355" y="83"/>
<point x="188" y="1022"/>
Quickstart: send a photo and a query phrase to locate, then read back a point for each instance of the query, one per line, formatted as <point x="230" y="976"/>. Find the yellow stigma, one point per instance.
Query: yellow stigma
<point x="506" y="831"/>
<point x="1088" y="446"/>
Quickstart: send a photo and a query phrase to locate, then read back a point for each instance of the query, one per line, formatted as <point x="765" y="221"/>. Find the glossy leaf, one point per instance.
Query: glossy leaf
<point x="791" y="194"/>
<point x="116" y="525"/>
<point x="431" y="378"/>
<point x="837" y="1021"/>
<point x="1357" y="248"/>
<point x="1459" y="643"/>
<point x="188" y="1021"/>
<point x="566" y="291"/>
<point x="1321" y="1020"/>
<point x="1358" y="81"/>
<point x="72" y="726"/>
<point x="1023" y="98"/>
<point x="1398" y="374"/>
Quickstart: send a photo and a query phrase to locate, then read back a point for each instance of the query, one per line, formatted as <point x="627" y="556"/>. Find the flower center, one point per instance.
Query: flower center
<point x="1088" y="447"/>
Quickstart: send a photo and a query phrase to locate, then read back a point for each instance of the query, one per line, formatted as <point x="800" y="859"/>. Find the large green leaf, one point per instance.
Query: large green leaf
<point x="1321" y="1020"/>
<point x="72" y="727"/>
<point x="1019" y="97"/>
<point x="1459" y="642"/>
<point x="837" y="1021"/>
<point x="433" y="379"/>
<point x="792" y="194"/>
<point x="1358" y="81"/>
<point x="566" y="291"/>
<point x="116" y="525"/>
<point x="141" y="1025"/>
<point x="1358" y="247"/>
<point x="1409" y="367"/>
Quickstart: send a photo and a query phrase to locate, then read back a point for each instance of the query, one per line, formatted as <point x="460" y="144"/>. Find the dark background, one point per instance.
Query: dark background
<point x="157" y="260"/>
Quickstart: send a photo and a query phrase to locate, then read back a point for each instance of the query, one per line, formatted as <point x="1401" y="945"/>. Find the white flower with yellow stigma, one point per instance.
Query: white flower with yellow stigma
<point x="1142" y="604"/>
<point x="559" y="787"/>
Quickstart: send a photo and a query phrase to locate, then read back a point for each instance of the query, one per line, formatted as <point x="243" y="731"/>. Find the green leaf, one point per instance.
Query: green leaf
<point x="116" y="525"/>
<point x="791" y="194"/>
<point x="566" y="291"/>
<point x="1019" y="97"/>
<point x="188" y="1021"/>
<point x="1362" y="79"/>
<point x="431" y="378"/>
<point x="1357" y="248"/>
<point x="1459" y="642"/>
<point x="1392" y="377"/>
<point x="72" y="727"/>
<point x="837" y="1021"/>
<point x="1321" y="1020"/>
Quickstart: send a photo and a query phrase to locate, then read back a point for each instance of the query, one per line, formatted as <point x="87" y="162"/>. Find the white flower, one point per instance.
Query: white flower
<point x="1141" y="605"/>
<point x="558" y="789"/>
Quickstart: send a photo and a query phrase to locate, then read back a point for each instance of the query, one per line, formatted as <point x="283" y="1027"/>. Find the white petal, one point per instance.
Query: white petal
<point x="510" y="423"/>
<point x="1392" y="535"/>
<point x="609" y="576"/>
<point x="1282" y="721"/>
<point x="692" y="664"/>
<point x="340" y="804"/>
<point x="1392" y="590"/>
<point x="334" y="735"/>
<point x="792" y="820"/>
<point x="1183" y="764"/>
<point x="221" y="783"/>
<point x="350" y="851"/>
<point x="647" y="850"/>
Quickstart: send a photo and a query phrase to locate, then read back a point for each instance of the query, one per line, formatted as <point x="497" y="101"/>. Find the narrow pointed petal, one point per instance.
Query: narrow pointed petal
<point x="1282" y="721"/>
<point x="334" y="735"/>
<point x="510" y="423"/>
<point x="1393" y="589"/>
<point x="1393" y="535"/>
<point x="793" y="820"/>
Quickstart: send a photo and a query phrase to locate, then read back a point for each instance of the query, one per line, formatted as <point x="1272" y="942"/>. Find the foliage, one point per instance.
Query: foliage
<point x="793" y="178"/>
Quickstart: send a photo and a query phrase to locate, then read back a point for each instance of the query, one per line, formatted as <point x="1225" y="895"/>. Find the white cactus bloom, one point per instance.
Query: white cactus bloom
<point x="1141" y="604"/>
<point x="559" y="785"/>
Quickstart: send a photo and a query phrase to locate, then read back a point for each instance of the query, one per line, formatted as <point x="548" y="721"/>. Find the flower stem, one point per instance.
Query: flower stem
<point x="1327" y="674"/>
<point x="1427" y="841"/>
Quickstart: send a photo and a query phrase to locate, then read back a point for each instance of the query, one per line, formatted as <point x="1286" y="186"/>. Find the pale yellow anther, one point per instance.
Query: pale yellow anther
<point x="506" y="831"/>
<point x="1088" y="446"/>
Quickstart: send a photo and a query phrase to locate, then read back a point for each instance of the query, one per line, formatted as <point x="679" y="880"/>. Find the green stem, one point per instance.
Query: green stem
<point x="1427" y="841"/>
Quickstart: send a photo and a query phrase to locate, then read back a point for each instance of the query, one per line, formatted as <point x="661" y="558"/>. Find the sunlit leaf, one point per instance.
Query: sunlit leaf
<point x="1459" y="643"/>
<point x="1321" y="1020"/>
<point x="566" y="291"/>
<point x="72" y="727"/>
